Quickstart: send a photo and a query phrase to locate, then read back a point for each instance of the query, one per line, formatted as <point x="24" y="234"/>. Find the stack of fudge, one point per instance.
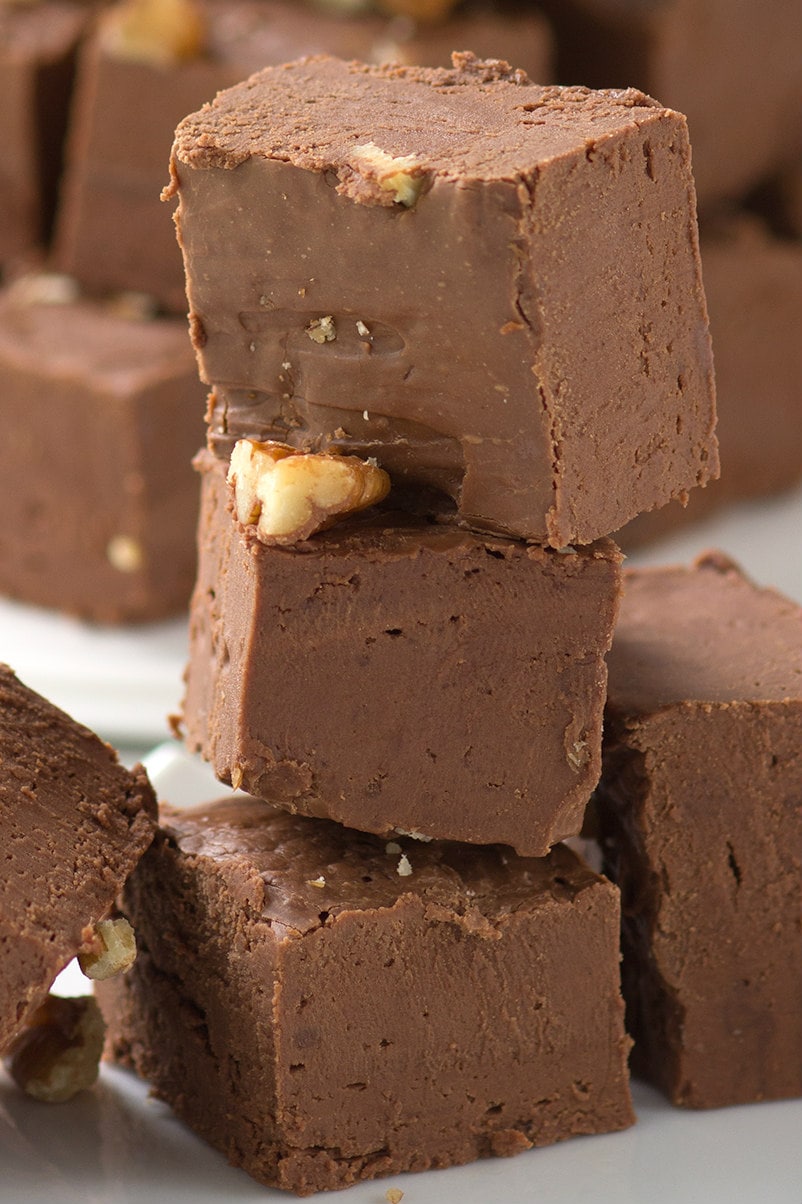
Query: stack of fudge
<point x="89" y="97"/>
<point x="382" y="957"/>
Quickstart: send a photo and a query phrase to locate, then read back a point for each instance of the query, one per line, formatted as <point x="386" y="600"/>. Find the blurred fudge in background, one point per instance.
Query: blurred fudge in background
<point x="38" y="43"/>
<point x="733" y="67"/>
<point x="101" y="416"/>
<point x="753" y="284"/>
<point x="113" y="233"/>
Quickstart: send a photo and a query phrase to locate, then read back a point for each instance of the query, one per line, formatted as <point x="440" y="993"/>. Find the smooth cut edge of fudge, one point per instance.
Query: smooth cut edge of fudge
<point x="522" y="458"/>
<point x="700" y="815"/>
<point x="281" y="705"/>
<point x="92" y="818"/>
<point x="298" y="967"/>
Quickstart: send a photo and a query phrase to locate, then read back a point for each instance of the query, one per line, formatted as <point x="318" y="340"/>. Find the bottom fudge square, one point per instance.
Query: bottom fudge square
<point x="399" y="675"/>
<point x="326" y="1007"/>
<point x="701" y="815"/>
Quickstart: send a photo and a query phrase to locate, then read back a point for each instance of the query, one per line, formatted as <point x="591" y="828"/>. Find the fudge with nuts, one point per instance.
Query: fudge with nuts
<point x="391" y="673"/>
<point x="100" y="419"/>
<point x="73" y="824"/>
<point x="113" y="233"/>
<point x="37" y="57"/>
<point x="700" y="809"/>
<point x="324" y="1007"/>
<point x="733" y="67"/>
<point x="491" y="286"/>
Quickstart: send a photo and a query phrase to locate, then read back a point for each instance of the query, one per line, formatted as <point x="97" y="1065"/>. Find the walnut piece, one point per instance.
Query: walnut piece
<point x="289" y="495"/>
<point x="111" y="949"/>
<point x="58" y="1053"/>
<point x="158" y="32"/>
<point x="402" y="175"/>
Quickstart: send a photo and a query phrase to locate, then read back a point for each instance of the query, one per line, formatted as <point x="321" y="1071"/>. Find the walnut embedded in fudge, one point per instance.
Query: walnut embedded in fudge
<point x="536" y="314"/>
<point x="396" y="674"/>
<point x="323" y="1020"/>
<point x="701" y="821"/>
<point x="289" y="495"/>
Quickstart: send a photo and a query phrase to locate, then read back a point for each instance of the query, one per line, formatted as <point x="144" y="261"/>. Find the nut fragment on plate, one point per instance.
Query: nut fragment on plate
<point x="158" y="32"/>
<point x="58" y="1053"/>
<point x="110" y="949"/>
<point x="289" y="495"/>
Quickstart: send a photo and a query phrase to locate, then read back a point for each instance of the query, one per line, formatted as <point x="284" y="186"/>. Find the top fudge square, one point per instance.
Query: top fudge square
<point x="491" y="286"/>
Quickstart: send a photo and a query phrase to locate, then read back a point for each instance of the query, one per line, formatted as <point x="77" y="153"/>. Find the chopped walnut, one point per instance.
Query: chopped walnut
<point x="394" y="1195"/>
<point x="404" y="868"/>
<point x="322" y="330"/>
<point x="125" y="554"/>
<point x="43" y="288"/>
<point x="111" y="949"/>
<point x="58" y="1053"/>
<point x="401" y="175"/>
<point x="289" y="495"/>
<point x="158" y="32"/>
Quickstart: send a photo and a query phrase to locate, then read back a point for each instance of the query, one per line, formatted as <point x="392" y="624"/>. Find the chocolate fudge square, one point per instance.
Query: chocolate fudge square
<point x="100" y="416"/>
<point x="73" y="824"/>
<point x="510" y="275"/>
<point x="733" y="69"/>
<point x="395" y="674"/>
<point x="37" y="58"/>
<point x="325" y="1008"/>
<point x="113" y="232"/>
<point x="753" y="282"/>
<point x="701" y="813"/>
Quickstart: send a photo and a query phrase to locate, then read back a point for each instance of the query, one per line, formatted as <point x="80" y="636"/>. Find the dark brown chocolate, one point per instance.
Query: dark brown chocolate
<point x="536" y="314"/>
<point x="753" y="283"/>
<point x="37" y="53"/>
<point x="700" y="811"/>
<point x="325" y="1008"/>
<point x="734" y="69"/>
<point x="113" y="232"/>
<point x="394" y="674"/>
<point x="100" y="422"/>
<point x="73" y="824"/>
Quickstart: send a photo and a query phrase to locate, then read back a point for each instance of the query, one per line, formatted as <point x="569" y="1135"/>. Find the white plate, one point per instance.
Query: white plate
<point x="122" y="682"/>
<point x="117" y="1146"/>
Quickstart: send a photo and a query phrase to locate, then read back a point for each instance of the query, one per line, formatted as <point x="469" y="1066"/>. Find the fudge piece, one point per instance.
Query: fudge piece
<point x="732" y="66"/>
<point x="753" y="283"/>
<point x="100" y="421"/>
<point x="324" y="1008"/>
<point x="391" y="673"/>
<point x="509" y="276"/>
<point x="37" y="52"/>
<point x="113" y="232"/>
<point x="701" y="814"/>
<point x="73" y="824"/>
